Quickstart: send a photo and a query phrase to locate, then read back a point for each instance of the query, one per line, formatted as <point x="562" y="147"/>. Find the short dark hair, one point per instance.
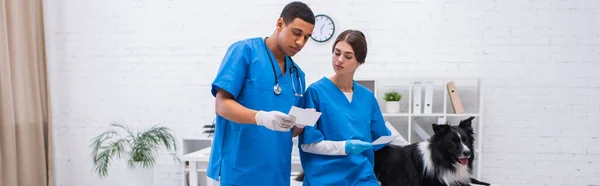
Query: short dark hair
<point x="297" y="9"/>
<point x="356" y="39"/>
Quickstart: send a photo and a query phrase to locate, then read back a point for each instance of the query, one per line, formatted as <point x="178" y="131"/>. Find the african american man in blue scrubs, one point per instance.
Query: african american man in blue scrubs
<point x="256" y="85"/>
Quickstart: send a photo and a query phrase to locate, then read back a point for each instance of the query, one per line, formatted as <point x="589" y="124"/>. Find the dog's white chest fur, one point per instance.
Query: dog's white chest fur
<point x="447" y="176"/>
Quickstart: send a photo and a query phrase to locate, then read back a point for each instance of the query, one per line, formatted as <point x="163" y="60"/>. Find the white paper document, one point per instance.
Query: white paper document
<point x="384" y="139"/>
<point x="306" y="117"/>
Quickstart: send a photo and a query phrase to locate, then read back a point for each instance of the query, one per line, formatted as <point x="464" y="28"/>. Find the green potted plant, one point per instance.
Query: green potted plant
<point x="140" y="148"/>
<point x="392" y="102"/>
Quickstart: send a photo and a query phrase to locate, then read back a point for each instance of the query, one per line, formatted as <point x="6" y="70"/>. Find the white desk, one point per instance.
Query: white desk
<point x="199" y="162"/>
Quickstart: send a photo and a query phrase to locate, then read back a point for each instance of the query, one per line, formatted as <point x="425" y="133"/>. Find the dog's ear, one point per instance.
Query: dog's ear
<point x="466" y="124"/>
<point x="440" y="129"/>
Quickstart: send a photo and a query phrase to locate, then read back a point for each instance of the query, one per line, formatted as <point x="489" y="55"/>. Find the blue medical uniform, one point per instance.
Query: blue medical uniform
<point x="248" y="154"/>
<point x="341" y="120"/>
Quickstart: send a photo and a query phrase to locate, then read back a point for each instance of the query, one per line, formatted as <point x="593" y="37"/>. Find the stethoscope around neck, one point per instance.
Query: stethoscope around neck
<point x="277" y="88"/>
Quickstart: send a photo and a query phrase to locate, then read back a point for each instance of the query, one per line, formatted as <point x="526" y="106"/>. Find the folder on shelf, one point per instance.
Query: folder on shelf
<point x="416" y="127"/>
<point x="454" y="98"/>
<point x="417" y="98"/>
<point x="427" y="105"/>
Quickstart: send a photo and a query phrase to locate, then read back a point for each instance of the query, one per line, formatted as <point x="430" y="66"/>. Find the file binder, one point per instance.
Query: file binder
<point x="427" y="105"/>
<point x="454" y="98"/>
<point x="417" y="109"/>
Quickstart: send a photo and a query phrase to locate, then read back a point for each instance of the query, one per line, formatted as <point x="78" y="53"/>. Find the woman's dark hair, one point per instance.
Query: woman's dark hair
<point x="357" y="41"/>
<point x="297" y="9"/>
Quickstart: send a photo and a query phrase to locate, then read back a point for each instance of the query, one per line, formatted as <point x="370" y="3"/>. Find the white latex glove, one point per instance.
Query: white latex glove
<point x="275" y="120"/>
<point x="399" y="141"/>
<point x="302" y="126"/>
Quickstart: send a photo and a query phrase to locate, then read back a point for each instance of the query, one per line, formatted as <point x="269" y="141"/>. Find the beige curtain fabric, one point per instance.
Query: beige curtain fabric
<point x="25" y="131"/>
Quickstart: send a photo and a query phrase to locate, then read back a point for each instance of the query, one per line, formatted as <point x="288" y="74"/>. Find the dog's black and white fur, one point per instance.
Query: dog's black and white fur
<point x="445" y="159"/>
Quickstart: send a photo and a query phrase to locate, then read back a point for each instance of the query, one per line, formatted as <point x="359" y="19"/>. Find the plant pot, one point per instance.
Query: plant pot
<point x="392" y="107"/>
<point x="122" y="175"/>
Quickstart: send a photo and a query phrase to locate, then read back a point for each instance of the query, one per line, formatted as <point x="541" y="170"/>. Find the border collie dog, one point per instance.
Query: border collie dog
<point x="445" y="159"/>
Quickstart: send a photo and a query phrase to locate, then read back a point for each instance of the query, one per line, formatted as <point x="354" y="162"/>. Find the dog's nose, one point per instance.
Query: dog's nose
<point x="467" y="153"/>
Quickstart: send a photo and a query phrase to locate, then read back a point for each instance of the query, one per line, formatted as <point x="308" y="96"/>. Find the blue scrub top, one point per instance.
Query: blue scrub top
<point x="248" y="154"/>
<point x="341" y="120"/>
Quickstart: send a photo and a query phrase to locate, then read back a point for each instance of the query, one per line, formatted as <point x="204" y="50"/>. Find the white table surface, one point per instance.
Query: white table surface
<point x="203" y="155"/>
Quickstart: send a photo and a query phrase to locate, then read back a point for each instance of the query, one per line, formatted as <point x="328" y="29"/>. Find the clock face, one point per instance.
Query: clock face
<point x="324" y="28"/>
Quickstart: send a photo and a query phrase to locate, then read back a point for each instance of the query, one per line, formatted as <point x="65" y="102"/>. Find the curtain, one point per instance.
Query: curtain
<point x="25" y="123"/>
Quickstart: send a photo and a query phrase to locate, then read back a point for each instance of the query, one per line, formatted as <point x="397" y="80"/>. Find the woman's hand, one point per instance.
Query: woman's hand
<point x="357" y="146"/>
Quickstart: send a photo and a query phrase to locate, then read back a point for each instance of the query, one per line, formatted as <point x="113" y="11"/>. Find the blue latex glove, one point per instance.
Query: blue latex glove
<point x="357" y="146"/>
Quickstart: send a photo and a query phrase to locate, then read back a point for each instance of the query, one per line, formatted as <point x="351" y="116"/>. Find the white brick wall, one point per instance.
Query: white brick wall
<point x="145" y="62"/>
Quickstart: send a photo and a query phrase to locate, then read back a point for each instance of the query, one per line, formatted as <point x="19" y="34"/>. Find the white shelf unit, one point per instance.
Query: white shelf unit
<point x="416" y="127"/>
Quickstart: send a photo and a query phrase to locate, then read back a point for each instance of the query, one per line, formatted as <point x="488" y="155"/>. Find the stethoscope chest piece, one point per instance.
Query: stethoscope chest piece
<point x="277" y="89"/>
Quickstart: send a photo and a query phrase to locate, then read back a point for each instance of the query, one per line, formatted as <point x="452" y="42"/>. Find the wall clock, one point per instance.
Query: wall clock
<point x="324" y="28"/>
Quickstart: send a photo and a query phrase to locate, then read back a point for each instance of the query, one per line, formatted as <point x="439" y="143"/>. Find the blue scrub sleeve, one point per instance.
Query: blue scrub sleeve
<point x="311" y="134"/>
<point x="378" y="127"/>
<point x="232" y="72"/>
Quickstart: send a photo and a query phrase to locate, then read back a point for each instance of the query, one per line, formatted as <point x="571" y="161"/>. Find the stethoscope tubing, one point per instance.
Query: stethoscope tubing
<point x="277" y="88"/>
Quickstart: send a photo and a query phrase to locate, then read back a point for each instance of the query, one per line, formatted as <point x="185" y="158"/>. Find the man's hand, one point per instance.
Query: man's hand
<point x="296" y="131"/>
<point x="275" y="120"/>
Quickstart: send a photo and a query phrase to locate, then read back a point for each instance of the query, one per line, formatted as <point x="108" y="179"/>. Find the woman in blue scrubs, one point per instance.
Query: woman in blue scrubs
<point x="337" y="150"/>
<point x="256" y="85"/>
